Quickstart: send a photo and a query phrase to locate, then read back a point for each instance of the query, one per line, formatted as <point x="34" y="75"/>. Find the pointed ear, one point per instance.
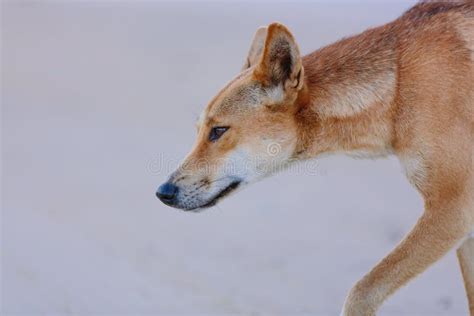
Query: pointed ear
<point x="280" y="62"/>
<point x="256" y="48"/>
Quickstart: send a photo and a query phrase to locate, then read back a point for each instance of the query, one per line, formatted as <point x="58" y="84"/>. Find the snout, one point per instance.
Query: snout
<point x="168" y="193"/>
<point x="196" y="194"/>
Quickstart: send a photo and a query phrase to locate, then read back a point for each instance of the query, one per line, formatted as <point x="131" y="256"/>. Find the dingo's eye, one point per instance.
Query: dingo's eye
<point x="217" y="132"/>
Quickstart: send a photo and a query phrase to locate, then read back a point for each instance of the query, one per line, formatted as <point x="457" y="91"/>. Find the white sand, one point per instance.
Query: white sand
<point x="94" y="93"/>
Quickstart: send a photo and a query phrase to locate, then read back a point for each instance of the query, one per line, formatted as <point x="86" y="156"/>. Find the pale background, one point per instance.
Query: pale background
<point x="99" y="100"/>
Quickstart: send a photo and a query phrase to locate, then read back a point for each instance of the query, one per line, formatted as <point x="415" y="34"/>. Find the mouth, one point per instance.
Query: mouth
<point x="223" y="193"/>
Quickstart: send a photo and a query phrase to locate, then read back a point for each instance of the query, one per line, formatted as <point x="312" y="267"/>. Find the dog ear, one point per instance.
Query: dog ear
<point x="256" y="49"/>
<point x="280" y="62"/>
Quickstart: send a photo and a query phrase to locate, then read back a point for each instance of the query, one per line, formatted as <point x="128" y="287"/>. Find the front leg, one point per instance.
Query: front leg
<point x="465" y="255"/>
<point x="436" y="232"/>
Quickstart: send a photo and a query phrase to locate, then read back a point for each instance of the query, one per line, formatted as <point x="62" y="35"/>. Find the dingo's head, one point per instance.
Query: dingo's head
<point x="248" y="130"/>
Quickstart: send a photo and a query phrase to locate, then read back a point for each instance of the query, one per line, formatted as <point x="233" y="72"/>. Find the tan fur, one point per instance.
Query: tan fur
<point x="405" y="88"/>
<point x="256" y="49"/>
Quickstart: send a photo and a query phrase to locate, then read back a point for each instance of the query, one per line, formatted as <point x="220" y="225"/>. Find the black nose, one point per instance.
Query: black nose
<point x="167" y="193"/>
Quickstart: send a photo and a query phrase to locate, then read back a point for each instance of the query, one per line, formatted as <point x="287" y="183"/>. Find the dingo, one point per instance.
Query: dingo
<point x="405" y="88"/>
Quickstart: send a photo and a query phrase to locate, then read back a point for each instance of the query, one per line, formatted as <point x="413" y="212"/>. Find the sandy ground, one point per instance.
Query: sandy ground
<point x="99" y="101"/>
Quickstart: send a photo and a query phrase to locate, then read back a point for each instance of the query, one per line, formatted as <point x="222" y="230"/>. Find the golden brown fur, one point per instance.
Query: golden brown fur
<point x="425" y="115"/>
<point x="405" y="88"/>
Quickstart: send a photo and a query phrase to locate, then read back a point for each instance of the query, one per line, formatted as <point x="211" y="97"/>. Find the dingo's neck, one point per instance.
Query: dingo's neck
<point x="346" y="105"/>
